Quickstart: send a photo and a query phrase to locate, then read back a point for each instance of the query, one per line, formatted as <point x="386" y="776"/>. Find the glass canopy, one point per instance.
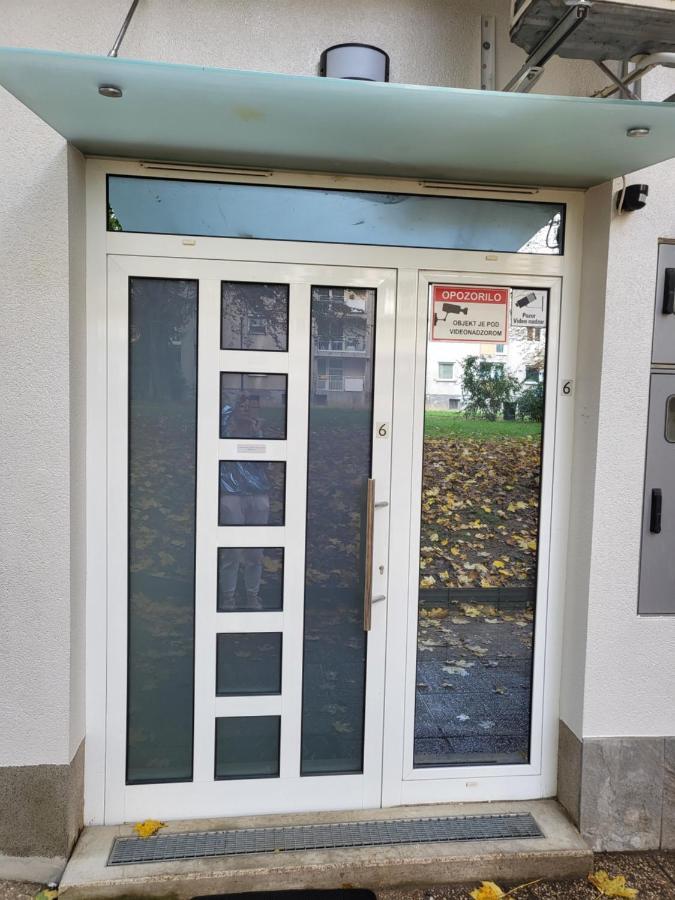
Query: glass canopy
<point x="256" y="119"/>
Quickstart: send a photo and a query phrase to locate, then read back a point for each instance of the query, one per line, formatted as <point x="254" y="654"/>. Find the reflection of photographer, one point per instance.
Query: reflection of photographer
<point x="239" y="421"/>
<point x="244" y="500"/>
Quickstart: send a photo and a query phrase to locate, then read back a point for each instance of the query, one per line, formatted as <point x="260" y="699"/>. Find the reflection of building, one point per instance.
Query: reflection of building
<point x="342" y="348"/>
<point x="518" y="357"/>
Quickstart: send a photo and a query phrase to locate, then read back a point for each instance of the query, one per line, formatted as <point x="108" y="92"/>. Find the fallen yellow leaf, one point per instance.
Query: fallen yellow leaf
<point x="611" y="887"/>
<point x="148" y="828"/>
<point x="488" y="890"/>
<point x="436" y="613"/>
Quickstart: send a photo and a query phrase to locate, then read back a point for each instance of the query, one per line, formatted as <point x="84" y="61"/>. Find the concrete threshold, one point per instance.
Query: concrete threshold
<point x="561" y="853"/>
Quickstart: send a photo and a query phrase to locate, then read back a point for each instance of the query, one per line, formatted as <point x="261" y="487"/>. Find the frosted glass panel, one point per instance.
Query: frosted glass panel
<point x="248" y="664"/>
<point x="250" y="579"/>
<point x="251" y="493"/>
<point x="162" y="474"/>
<point x="247" y="747"/>
<point x="268" y="212"/>
<point x="339" y="463"/>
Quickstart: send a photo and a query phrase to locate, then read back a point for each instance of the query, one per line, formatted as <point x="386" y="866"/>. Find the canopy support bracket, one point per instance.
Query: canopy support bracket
<point x="643" y="65"/>
<point x="123" y="30"/>
<point x="533" y="68"/>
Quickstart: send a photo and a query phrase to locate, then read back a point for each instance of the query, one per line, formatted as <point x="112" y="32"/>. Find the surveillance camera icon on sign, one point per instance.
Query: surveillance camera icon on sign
<point x="526" y="300"/>
<point x="451" y="309"/>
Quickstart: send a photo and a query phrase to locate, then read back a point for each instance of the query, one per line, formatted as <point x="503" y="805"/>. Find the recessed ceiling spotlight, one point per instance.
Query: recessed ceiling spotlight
<point x="638" y="132"/>
<point x="109" y="90"/>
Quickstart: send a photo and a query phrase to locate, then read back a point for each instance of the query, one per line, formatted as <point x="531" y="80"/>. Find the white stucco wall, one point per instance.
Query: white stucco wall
<point x="42" y="388"/>
<point x="34" y="442"/>
<point x="629" y="660"/>
<point x="586" y="410"/>
<point x="619" y="669"/>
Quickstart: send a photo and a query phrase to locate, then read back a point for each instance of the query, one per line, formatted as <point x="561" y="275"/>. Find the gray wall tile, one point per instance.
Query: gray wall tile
<point x="622" y="793"/>
<point x="46" y="808"/>
<point x="668" y="823"/>
<point x="569" y="771"/>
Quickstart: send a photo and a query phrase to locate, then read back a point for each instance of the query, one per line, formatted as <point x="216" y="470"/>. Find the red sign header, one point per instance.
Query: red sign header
<point x="466" y="293"/>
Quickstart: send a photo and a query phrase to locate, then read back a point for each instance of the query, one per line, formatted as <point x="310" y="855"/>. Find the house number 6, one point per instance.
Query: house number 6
<point x="382" y="429"/>
<point x="566" y="389"/>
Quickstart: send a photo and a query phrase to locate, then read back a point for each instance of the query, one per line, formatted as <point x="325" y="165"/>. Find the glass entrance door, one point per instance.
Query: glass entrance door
<point x="249" y="416"/>
<point x="484" y="409"/>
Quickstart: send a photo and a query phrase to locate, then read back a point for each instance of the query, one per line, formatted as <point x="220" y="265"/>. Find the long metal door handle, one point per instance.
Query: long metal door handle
<point x="368" y="555"/>
<point x="655" y="512"/>
<point x="669" y="292"/>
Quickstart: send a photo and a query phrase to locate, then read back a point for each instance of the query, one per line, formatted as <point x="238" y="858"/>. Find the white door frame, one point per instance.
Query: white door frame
<point x="204" y="796"/>
<point x="481" y="266"/>
<point x="404" y="784"/>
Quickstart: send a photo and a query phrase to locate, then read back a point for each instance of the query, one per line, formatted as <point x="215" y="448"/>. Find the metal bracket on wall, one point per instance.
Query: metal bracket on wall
<point x="532" y="69"/>
<point x="487" y="53"/>
<point x="623" y="84"/>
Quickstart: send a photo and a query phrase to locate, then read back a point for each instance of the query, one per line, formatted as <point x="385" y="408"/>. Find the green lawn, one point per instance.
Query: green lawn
<point x="438" y="424"/>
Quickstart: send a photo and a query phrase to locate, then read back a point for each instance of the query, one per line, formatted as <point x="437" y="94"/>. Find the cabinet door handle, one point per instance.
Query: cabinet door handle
<point x="655" y="512"/>
<point x="669" y="292"/>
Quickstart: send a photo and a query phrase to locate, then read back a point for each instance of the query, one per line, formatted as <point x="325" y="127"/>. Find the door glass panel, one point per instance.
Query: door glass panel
<point x="248" y="664"/>
<point x="250" y="579"/>
<point x="480" y="526"/>
<point x="253" y="316"/>
<point x="162" y="484"/>
<point x="251" y="493"/>
<point x="252" y="406"/>
<point x="339" y="462"/>
<point x="247" y="747"/>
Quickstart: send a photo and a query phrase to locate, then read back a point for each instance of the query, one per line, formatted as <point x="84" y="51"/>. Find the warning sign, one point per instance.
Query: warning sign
<point x="528" y="307"/>
<point x="467" y="312"/>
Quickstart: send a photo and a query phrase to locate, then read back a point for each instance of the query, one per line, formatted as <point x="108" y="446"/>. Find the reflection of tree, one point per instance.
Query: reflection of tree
<point x="486" y="388"/>
<point x="254" y="315"/>
<point x="114" y="223"/>
<point x="159" y="317"/>
<point x="162" y="468"/>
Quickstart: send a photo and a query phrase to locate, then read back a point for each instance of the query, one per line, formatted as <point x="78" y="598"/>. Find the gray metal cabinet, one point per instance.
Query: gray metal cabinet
<point x="663" y="346"/>
<point x="657" y="564"/>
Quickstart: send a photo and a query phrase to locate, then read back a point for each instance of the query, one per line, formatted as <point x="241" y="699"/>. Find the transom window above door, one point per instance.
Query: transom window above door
<point x="321" y="215"/>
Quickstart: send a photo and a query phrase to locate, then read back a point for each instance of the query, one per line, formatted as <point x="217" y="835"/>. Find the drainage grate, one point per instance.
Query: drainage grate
<point x="200" y="844"/>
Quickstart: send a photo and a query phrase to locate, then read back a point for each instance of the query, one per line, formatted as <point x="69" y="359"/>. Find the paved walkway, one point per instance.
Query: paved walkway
<point x="653" y="874"/>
